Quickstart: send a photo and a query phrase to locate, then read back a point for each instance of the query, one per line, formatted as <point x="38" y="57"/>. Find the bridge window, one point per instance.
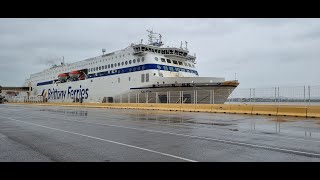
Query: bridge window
<point x="163" y="60"/>
<point x="147" y="77"/>
<point x="168" y="61"/>
<point x="142" y="77"/>
<point x="174" y="62"/>
<point x="156" y="58"/>
<point x="180" y="63"/>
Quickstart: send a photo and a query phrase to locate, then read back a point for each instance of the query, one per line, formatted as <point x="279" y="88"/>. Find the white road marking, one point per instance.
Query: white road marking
<point x="106" y="140"/>
<point x="211" y="129"/>
<point x="204" y="138"/>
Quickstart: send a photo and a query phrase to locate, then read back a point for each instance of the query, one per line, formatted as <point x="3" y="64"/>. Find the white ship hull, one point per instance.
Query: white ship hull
<point x="138" y="73"/>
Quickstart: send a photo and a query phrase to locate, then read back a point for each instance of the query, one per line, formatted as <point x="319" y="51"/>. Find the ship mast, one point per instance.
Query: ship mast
<point x="152" y="39"/>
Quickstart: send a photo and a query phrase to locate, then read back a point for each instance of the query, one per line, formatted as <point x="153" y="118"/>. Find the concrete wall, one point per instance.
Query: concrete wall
<point x="271" y="110"/>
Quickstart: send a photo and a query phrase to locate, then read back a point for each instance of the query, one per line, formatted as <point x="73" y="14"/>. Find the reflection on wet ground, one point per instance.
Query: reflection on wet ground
<point x="200" y="136"/>
<point x="66" y="112"/>
<point x="280" y="125"/>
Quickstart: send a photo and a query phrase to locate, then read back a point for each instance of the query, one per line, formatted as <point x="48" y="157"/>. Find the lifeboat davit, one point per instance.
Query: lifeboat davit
<point x="75" y="74"/>
<point x="63" y="77"/>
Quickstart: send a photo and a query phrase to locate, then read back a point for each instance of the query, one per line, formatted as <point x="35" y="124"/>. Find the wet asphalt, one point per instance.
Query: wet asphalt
<point x="72" y="134"/>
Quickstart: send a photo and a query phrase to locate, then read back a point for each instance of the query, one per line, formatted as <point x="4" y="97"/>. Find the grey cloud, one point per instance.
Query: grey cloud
<point x="263" y="52"/>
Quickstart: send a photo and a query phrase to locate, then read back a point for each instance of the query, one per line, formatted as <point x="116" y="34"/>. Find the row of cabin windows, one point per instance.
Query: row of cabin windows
<point x="175" y="62"/>
<point x="108" y="59"/>
<point x="115" y="64"/>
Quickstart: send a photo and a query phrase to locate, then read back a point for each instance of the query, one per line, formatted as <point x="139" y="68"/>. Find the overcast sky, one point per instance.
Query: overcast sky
<point x="263" y="52"/>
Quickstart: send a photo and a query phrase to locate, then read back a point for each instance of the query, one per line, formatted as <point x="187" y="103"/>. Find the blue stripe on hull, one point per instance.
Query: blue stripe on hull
<point x="132" y="69"/>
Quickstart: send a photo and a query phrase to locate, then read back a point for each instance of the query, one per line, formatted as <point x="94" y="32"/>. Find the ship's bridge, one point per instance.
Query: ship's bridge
<point x="182" y="54"/>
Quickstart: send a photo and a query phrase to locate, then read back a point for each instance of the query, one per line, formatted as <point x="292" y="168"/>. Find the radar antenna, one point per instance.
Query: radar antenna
<point x="152" y="39"/>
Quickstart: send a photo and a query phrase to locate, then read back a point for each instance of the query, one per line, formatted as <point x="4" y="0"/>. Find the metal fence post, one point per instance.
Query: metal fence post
<point x="229" y="95"/>
<point x="156" y="97"/>
<point x="194" y="96"/>
<point x="254" y="94"/>
<point x="212" y="96"/>
<point x="278" y="95"/>
<point x="250" y="96"/>
<point x="304" y="95"/>
<point x="275" y="95"/>
<point x="182" y="97"/>
<point x="147" y="97"/>
<point x="309" y="89"/>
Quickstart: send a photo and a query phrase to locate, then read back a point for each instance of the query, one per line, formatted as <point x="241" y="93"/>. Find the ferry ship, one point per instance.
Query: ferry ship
<point x="142" y="72"/>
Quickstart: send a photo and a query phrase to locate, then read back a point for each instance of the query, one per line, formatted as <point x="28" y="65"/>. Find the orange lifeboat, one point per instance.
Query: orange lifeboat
<point x="63" y="77"/>
<point x="75" y="74"/>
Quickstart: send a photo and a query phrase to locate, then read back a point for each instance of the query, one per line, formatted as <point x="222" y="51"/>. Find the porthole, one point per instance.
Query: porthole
<point x="108" y="65"/>
<point x="134" y="61"/>
<point x="118" y="64"/>
<point x="126" y="62"/>
<point x="142" y="59"/>
<point x="129" y="61"/>
<point x="115" y="64"/>
<point x="138" y="60"/>
<point x="122" y="63"/>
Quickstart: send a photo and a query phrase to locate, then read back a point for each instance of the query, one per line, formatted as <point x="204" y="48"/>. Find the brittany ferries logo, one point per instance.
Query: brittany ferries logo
<point x="66" y="94"/>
